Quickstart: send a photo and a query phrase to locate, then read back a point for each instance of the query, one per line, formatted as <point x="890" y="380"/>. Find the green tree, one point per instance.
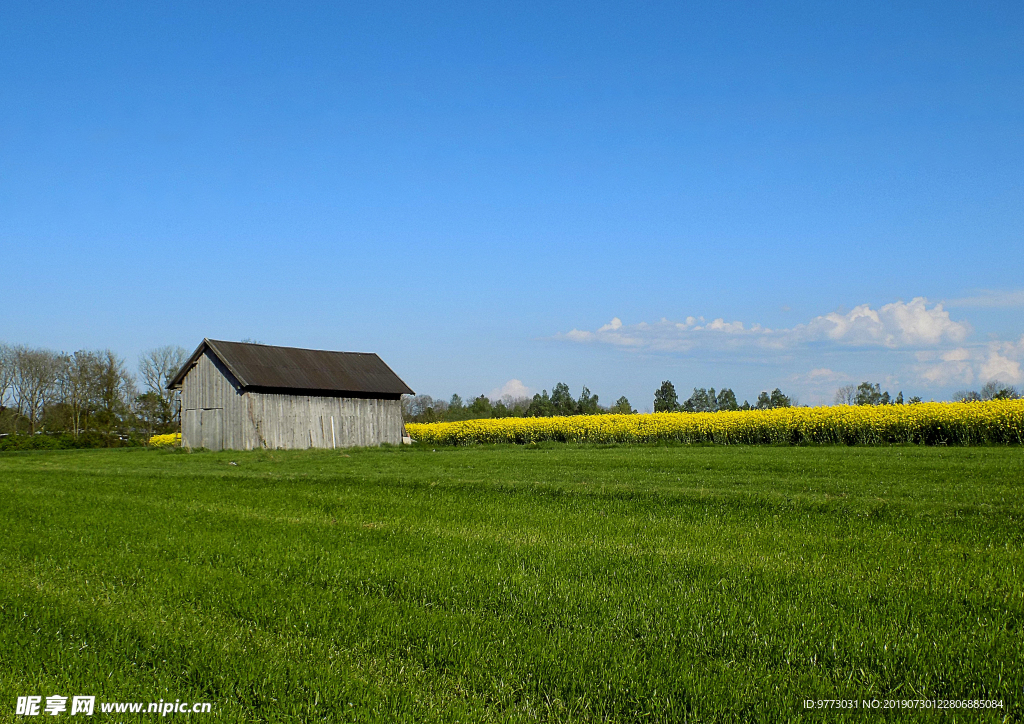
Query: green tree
<point x="870" y="394"/>
<point x="540" y="406"/>
<point x="666" y="399"/>
<point x="152" y="410"/>
<point x="587" y="403"/>
<point x="770" y="401"/>
<point x="561" y="400"/>
<point x="500" y="409"/>
<point x="622" y="407"/>
<point x="480" y="408"/>
<point x="727" y="400"/>
<point x="701" y="401"/>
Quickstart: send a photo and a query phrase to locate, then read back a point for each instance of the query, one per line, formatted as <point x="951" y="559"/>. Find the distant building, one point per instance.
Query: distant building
<point x="240" y="396"/>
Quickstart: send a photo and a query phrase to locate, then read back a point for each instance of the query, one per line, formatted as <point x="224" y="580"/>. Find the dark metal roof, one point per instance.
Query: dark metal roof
<point x="290" y="368"/>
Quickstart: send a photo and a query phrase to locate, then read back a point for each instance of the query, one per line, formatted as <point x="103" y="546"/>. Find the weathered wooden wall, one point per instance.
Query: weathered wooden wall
<point x="214" y="407"/>
<point x="299" y="421"/>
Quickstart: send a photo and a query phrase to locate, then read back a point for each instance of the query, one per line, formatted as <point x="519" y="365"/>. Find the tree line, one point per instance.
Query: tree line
<point x="994" y="390"/>
<point x="88" y="393"/>
<point x="867" y="393"/>
<point x="560" y="402"/>
<point x="424" y="408"/>
<point x="707" y="400"/>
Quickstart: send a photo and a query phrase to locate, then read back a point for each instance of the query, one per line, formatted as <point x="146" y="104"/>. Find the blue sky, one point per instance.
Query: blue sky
<point x="533" y="192"/>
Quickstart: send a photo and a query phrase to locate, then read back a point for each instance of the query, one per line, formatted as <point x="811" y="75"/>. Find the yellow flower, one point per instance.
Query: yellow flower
<point x="165" y="440"/>
<point x="957" y="423"/>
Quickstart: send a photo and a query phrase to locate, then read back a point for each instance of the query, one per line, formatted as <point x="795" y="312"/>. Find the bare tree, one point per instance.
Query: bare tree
<point x="512" y="402"/>
<point x="416" y="405"/>
<point x="158" y="367"/>
<point x="79" y="386"/>
<point x="996" y="390"/>
<point x="35" y="381"/>
<point x="846" y="395"/>
<point x="8" y="416"/>
<point x="115" y="389"/>
<point x="6" y="372"/>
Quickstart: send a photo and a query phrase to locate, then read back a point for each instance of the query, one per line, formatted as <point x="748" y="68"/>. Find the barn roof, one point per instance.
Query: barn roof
<point x="309" y="370"/>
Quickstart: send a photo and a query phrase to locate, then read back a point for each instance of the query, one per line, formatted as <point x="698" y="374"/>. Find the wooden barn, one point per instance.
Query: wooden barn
<point x="240" y="396"/>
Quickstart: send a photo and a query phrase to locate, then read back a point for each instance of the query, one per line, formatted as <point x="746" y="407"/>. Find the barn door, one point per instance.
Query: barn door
<point x="191" y="428"/>
<point x="213" y="428"/>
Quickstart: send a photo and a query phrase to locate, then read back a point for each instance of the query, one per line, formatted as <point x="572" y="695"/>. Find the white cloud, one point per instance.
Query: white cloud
<point x="513" y="389"/>
<point x="821" y="375"/>
<point x="1003" y="362"/>
<point x="990" y="298"/>
<point x="945" y="368"/>
<point x="916" y="341"/>
<point x="998" y="367"/>
<point x="994" y="361"/>
<point x="578" y="335"/>
<point x="898" y="325"/>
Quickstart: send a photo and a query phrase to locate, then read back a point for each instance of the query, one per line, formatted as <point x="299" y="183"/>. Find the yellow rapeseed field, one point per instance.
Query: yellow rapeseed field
<point x="165" y="440"/>
<point x="951" y="423"/>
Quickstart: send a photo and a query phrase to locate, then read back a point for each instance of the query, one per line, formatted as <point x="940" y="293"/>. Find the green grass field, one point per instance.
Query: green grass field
<point x="510" y="584"/>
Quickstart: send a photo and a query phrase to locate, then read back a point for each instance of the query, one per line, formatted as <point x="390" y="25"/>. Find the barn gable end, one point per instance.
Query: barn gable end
<point x="314" y="398"/>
